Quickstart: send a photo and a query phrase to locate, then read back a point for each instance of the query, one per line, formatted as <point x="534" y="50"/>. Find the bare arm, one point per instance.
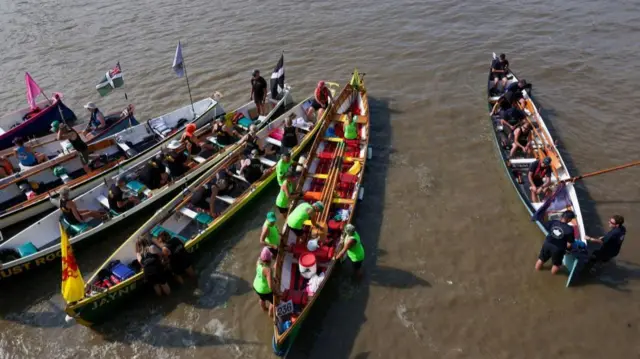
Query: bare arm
<point x="161" y="245"/>
<point x="347" y="245"/>
<point x="100" y="118"/>
<point x="139" y="257"/>
<point x="212" y="200"/>
<point x="263" y="236"/>
<point x="266" y="271"/>
<point x="530" y="176"/>
<point x="75" y="212"/>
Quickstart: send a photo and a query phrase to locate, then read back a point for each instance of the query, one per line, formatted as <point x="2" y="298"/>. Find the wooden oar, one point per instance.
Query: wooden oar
<point x="591" y="174"/>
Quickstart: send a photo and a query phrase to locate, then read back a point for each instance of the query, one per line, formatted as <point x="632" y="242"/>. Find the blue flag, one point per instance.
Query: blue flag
<point x="178" y="63"/>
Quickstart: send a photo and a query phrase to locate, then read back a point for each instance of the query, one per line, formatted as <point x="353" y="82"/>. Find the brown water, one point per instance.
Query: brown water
<point x="450" y="249"/>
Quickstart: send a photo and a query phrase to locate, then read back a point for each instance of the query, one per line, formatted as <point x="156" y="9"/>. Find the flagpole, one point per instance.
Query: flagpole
<point x="123" y="83"/>
<point x="184" y="67"/>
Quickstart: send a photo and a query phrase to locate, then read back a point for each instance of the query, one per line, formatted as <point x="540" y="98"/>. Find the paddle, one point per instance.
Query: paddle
<point x="591" y="174"/>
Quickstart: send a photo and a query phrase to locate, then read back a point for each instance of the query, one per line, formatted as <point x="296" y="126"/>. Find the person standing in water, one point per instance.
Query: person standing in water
<point x="282" y="167"/>
<point x="352" y="246"/>
<point x="270" y="237"/>
<point x="610" y="242"/>
<point x="559" y="239"/>
<point x="263" y="283"/>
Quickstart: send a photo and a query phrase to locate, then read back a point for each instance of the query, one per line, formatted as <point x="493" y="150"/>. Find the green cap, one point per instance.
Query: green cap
<point x="319" y="205"/>
<point x="55" y="125"/>
<point x="271" y="217"/>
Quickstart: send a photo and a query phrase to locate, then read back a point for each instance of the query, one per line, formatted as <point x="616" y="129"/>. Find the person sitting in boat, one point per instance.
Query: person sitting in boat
<point x="539" y="178"/>
<point x="499" y="71"/>
<point x="557" y="242"/>
<point x="351" y="128"/>
<point x="500" y="108"/>
<point x="263" y="283"/>
<point x="26" y="155"/>
<point x="270" y="236"/>
<point x="65" y="132"/>
<point x="282" y="167"/>
<point x="223" y="135"/>
<point x="321" y="98"/>
<point x="117" y="202"/>
<point x="290" y="134"/>
<point x="154" y="174"/>
<point x="155" y="272"/>
<point x="97" y="121"/>
<point x="176" y="163"/>
<point x="6" y="168"/>
<point x="251" y="167"/>
<point x="513" y="117"/>
<point x="191" y="141"/>
<point x="610" y="242"/>
<point x="286" y="193"/>
<point x="205" y="196"/>
<point x="352" y="246"/>
<point x="179" y="258"/>
<point x="252" y="142"/>
<point x="72" y="214"/>
<point x="513" y="93"/>
<point x="303" y="212"/>
<point x="520" y="139"/>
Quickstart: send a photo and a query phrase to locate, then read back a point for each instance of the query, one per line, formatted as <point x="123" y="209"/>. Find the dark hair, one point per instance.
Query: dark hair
<point x="19" y="141"/>
<point x="141" y="244"/>
<point x="164" y="237"/>
<point x="568" y="215"/>
<point x="522" y="82"/>
<point x="618" y="219"/>
<point x="503" y="56"/>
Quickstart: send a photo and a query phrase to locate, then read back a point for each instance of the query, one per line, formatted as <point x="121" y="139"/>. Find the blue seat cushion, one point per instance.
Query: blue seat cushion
<point x="136" y="186"/>
<point x="203" y="218"/>
<point x="27" y="249"/>
<point x="159" y="229"/>
<point x="245" y="122"/>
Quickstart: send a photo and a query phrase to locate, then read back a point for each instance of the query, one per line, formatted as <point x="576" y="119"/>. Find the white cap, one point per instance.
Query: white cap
<point x="90" y="106"/>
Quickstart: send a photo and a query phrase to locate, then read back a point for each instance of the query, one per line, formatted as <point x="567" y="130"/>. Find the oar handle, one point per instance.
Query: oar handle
<point x="612" y="169"/>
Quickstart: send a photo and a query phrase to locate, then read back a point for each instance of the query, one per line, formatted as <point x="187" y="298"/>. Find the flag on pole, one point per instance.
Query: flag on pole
<point x="277" y="79"/>
<point x="178" y="62"/>
<point x="72" y="282"/>
<point x="110" y="81"/>
<point x="33" y="90"/>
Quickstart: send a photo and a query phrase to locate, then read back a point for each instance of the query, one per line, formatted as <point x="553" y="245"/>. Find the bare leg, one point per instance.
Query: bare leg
<point x="156" y="288"/>
<point x="91" y="214"/>
<point x="178" y="279"/>
<point x="263" y="305"/>
<point x="270" y="310"/>
<point x="41" y="157"/>
<point x="555" y="269"/>
<point x="165" y="289"/>
<point x="534" y="196"/>
<point x="319" y="114"/>
<point x="539" y="265"/>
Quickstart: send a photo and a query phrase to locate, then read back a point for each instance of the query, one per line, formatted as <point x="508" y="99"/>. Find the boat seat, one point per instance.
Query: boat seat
<point x="199" y="159"/>
<point x="138" y="187"/>
<point x="522" y="161"/>
<point x="27" y="249"/>
<point x="159" y="229"/>
<point x="267" y="162"/>
<point x="227" y="199"/>
<point x="240" y="177"/>
<point x="123" y="146"/>
<point x="244" y="122"/>
<point x="74" y="229"/>
<point x="104" y="201"/>
<point x="199" y="217"/>
<point x="188" y="212"/>
<point x="273" y="141"/>
<point x="214" y="141"/>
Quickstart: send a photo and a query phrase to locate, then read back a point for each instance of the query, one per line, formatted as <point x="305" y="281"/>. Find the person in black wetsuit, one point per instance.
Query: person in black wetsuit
<point x="252" y="142"/>
<point x="65" y="132"/>
<point x="513" y="92"/>
<point x="72" y="214"/>
<point x="559" y="239"/>
<point x="290" y="134"/>
<point x="117" y="202"/>
<point x="499" y="70"/>
<point x="251" y="167"/>
<point x="177" y="164"/>
<point x="222" y="187"/>
<point x="258" y="91"/>
<point x="520" y="139"/>
<point x="611" y="242"/>
<point x="154" y="174"/>
<point x="150" y="258"/>
<point x="179" y="258"/>
<point x="222" y="133"/>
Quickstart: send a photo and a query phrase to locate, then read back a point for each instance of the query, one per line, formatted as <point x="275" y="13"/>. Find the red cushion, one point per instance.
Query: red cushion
<point x="277" y="134"/>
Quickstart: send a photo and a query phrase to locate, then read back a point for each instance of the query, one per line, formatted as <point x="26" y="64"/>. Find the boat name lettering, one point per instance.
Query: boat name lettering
<point x="110" y="297"/>
<point x="6" y="273"/>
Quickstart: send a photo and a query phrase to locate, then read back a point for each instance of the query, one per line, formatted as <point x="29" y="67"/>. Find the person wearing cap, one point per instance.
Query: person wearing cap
<point x="117" y="202"/>
<point x="27" y="156"/>
<point x="499" y="70"/>
<point x="539" y="178"/>
<point x="610" y="242"/>
<point x="285" y="194"/>
<point x="321" y="97"/>
<point x="352" y="246"/>
<point x="64" y="132"/>
<point x="263" y="283"/>
<point x="282" y="167"/>
<point x="97" y="121"/>
<point x="302" y="213"/>
<point x="71" y="213"/>
<point x="258" y="91"/>
<point x="557" y="242"/>
<point x="270" y="236"/>
<point x="251" y="167"/>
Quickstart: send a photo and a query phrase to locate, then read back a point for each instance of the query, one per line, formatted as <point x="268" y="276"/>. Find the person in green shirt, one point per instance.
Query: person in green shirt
<point x="351" y="128"/>
<point x="270" y="237"/>
<point x="352" y="246"/>
<point x="303" y="212"/>
<point x="282" y="167"/>
<point x="285" y="194"/>
<point x="262" y="283"/>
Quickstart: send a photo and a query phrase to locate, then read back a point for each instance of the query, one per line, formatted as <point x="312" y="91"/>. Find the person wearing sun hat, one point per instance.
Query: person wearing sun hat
<point x="97" y="121"/>
<point x="270" y="236"/>
<point x="303" y="212"/>
<point x="263" y="283"/>
<point x="64" y="132"/>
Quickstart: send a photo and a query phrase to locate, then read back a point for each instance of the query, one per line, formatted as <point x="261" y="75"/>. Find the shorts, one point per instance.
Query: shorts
<point x="602" y="256"/>
<point x="265" y="297"/>
<point x="537" y="181"/>
<point x="357" y="265"/>
<point x="258" y="98"/>
<point x="497" y="75"/>
<point x="274" y="251"/>
<point x="316" y="105"/>
<point x="158" y="278"/>
<point x="549" y="251"/>
<point x="283" y="211"/>
<point x="298" y="232"/>
<point x="84" y="156"/>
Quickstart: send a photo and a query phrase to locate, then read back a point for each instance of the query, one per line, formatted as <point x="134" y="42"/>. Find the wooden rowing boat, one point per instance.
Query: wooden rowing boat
<point x="183" y="220"/>
<point x="334" y="174"/>
<point x="53" y="149"/>
<point x="17" y="254"/>
<point x="563" y="196"/>
<point x="25" y="196"/>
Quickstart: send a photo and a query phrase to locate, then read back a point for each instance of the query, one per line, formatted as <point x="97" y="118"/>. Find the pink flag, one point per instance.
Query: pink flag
<point x="33" y="90"/>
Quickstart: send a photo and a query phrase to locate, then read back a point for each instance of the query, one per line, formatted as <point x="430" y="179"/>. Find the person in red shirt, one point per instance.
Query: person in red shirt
<point x="321" y="98"/>
<point x="539" y="178"/>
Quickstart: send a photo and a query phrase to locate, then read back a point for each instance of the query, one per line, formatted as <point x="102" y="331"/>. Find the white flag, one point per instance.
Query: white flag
<point x="178" y="64"/>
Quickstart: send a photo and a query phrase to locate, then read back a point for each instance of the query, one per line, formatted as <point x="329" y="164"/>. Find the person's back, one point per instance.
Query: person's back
<point x="560" y="234"/>
<point x="298" y="216"/>
<point x="289" y="137"/>
<point x="151" y="175"/>
<point x="612" y="242"/>
<point x="351" y="129"/>
<point x="176" y="162"/>
<point x="67" y="213"/>
<point x="253" y="172"/>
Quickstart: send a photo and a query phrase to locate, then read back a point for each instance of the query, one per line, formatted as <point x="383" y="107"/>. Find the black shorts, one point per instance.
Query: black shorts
<point x="602" y="256"/>
<point x="298" y="232"/>
<point x="283" y="211"/>
<point x="157" y="277"/>
<point x="316" y="105"/>
<point x="549" y="251"/>
<point x="274" y="251"/>
<point x="266" y="297"/>
<point x="258" y="98"/>
<point x="84" y="156"/>
<point x="537" y="181"/>
<point x="497" y="75"/>
<point x="357" y="265"/>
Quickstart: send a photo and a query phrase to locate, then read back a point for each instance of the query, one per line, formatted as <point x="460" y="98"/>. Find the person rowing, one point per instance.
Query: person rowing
<point x="27" y="156"/>
<point x="223" y="135"/>
<point x="539" y="178"/>
<point x="251" y="167"/>
<point x="96" y="121"/>
<point x="520" y="139"/>
<point x="499" y="70"/>
<point x="205" y="196"/>
<point x="290" y="134"/>
<point x="252" y="142"/>
<point x="117" y="202"/>
<point x="72" y="214"/>
<point x="188" y="138"/>
<point x="64" y="132"/>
